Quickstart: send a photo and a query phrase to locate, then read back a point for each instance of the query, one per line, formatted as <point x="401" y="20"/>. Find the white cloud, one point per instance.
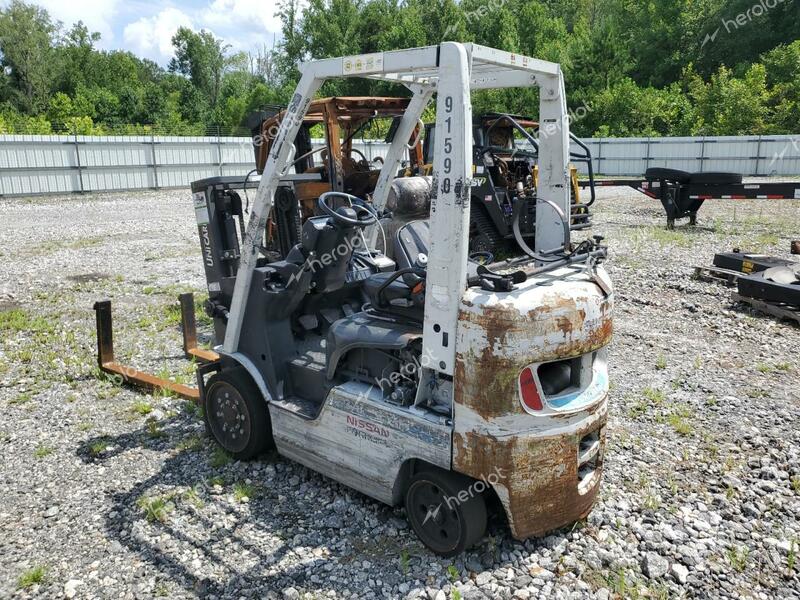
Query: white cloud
<point x="151" y="37"/>
<point x="97" y="16"/>
<point x="244" y="15"/>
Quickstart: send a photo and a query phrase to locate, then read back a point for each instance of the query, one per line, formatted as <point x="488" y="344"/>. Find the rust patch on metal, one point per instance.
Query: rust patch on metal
<point x="491" y="390"/>
<point x="537" y="477"/>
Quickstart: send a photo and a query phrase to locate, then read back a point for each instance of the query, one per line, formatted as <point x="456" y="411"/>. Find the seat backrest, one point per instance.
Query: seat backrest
<point x="333" y="246"/>
<point x="412" y="239"/>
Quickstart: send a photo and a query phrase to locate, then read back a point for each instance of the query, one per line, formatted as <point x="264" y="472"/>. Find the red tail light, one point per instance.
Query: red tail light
<point x="528" y="390"/>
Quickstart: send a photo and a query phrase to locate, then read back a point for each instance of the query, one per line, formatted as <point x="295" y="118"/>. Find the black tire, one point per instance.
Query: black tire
<point x="668" y="174"/>
<point x="446" y="524"/>
<point x="233" y="399"/>
<point x="716" y="178"/>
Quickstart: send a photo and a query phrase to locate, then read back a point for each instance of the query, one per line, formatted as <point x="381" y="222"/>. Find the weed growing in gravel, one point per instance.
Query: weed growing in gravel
<point x="30" y="578"/>
<point x="190" y="444"/>
<point x="17" y="320"/>
<point x="661" y="362"/>
<point x="216" y="480"/>
<point x="455" y="594"/>
<point x="99" y="446"/>
<point x="242" y="492"/>
<point x="791" y="558"/>
<point x="655" y="396"/>
<point x="155" y="508"/>
<point x="192" y="496"/>
<point x="142" y="407"/>
<point x="193" y="409"/>
<point x="42" y="451"/>
<point x="764" y="368"/>
<point x="219" y="458"/>
<point x="21" y="398"/>
<point x="783" y="366"/>
<point x="680" y="424"/>
<point x="668" y="237"/>
<point x="796" y="484"/>
<point x="85" y="426"/>
<point x="404" y="561"/>
<point x="737" y="557"/>
<point x="154" y="429"/>
<point x="452" y="573"/>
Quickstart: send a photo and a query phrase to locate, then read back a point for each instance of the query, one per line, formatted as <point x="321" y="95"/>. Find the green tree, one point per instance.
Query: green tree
<point x="26" y="42"/>
<point x="202" y="58"/>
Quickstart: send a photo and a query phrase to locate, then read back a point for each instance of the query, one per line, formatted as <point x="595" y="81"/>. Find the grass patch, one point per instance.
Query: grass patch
<point x="21" y="398"/>
<point x="99" y="446"/>
<point x="17" y="320"/>
<point x="661" y="362"/>
<point x="190" y="444"/>
<point x="192" y="496"/>
<point x="216" y="480"/>
<point x="154" y="430"/>
<point x="680" y="424"/>
<point x="655" y="396"/>
<point x="42" y="450"/>
<point x="155" y="508"/>
<point x="219" y="458"/>
<point x="142" y="407"/>
<point x="243" y="492"/>
<point x="667" y="237"/>
<point x="452" y="573"/>
<point x="796" y="484"/>
<point x="31" y="577"/>
<point x="737" y="557"/>
<point x="764" y="368"/>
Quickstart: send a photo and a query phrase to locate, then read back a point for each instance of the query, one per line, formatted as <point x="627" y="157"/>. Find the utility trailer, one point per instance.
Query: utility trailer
<point x="427" y="380"/>
<point x="682" y="194"/>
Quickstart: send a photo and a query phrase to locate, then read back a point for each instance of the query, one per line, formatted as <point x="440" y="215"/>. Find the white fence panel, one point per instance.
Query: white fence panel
<point x="52" y="164"/>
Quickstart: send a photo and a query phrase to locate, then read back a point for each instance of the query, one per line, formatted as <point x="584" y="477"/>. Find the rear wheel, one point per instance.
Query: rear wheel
<point x="447" y="511"/>
<point x="236" y="414"/>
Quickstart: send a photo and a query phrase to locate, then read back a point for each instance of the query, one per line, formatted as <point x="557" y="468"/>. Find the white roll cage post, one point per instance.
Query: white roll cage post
<point x="451" y="70"/>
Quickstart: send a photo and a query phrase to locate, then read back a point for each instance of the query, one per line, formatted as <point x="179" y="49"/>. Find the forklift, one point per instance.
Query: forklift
<point x="430" y="379"/>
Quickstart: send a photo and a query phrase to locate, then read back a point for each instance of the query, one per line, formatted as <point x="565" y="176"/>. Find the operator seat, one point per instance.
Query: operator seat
<point x="403" y="295"/>
<point x="332" y="245"/>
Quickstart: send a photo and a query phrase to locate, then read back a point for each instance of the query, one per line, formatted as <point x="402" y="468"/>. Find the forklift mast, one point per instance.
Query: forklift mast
<point x="451" y="70"/>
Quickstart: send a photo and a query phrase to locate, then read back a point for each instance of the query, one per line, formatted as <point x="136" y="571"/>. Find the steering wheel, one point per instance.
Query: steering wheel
<point x="482" y="258"/>
<point x="357" y="204"/>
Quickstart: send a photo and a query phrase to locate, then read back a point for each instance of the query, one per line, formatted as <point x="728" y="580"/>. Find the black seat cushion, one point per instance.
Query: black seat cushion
<point x="712" y="178"/>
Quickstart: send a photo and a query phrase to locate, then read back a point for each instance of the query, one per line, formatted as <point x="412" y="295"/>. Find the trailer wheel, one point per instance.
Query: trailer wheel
<point x="236" y="415"/>
<point x="447" y="511"/>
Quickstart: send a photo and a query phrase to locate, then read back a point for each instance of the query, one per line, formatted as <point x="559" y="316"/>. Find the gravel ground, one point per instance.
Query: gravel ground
<point x="106" y="492"/>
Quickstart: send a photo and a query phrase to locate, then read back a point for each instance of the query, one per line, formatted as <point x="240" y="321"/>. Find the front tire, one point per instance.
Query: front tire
<point x="236" y="414"/>
<point x="447" y="511"/>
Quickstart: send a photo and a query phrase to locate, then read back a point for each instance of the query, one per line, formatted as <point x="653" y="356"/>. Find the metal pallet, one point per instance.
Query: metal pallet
<point x="717" y="275"/>
<point x="781" y="311"/>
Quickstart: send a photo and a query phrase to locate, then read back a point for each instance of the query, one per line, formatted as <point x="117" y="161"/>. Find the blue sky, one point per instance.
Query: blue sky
<point x="145" y="27"/>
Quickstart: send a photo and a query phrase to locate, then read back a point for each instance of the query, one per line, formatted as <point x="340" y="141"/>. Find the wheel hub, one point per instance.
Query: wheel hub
<point x="228" y="417"/>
